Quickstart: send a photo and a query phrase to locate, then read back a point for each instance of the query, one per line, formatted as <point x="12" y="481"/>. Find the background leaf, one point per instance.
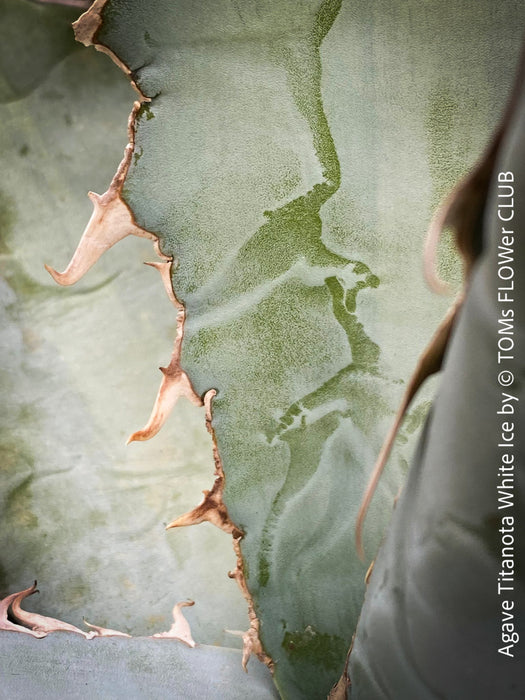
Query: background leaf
<point x="432" y="623"/>
<point x="78" y="510"/>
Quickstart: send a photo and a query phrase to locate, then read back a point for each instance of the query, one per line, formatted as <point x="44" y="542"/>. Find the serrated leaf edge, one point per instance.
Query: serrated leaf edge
<point x="111" y="221"/>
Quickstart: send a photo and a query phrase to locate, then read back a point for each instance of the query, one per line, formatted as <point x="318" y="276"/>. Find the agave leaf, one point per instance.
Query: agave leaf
<point x="64" y="665"/>
<point x="78" y="510"/>
<point x="446" y="600"/>
<point x="281" y="186"/>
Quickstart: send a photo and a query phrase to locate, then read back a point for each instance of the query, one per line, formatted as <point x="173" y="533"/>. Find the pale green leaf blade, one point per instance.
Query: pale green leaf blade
<point x="78" y="510"/>
<point x="64" y="665"/>
<point x="446" y="601"/>
<point x="290" y="159"/>
<point x="292" y="266"/>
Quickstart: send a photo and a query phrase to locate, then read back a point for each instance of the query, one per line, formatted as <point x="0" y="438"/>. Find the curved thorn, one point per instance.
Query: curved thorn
<point x="180" y="628"/>
<point x="110" y="222"/>
<point x="211" y="509"/>
<point x="6" y="624"/>
<point x="165" y="269"/>
<point x="156" y="246"/>
<point x="208" y="399"/>
<point x="174" y="385"/>
<point x="247" y="646"/>
<point x="105" y="632"/>
<point x="40" y="623"/>
<point x="250" y="645"/>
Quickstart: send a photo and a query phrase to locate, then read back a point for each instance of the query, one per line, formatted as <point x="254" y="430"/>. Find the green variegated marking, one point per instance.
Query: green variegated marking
<point x="291" y="168"/>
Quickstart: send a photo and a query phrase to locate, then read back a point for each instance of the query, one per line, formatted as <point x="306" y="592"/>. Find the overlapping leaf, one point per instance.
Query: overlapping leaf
<point x="446" y="602"/>
<point x="78" y="510"/>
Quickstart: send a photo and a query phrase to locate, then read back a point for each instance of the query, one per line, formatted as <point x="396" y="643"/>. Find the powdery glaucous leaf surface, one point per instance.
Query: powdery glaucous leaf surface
<point x="79" y="510"/>
<point x="446" y="601"/>
<point x="289" y="158"/>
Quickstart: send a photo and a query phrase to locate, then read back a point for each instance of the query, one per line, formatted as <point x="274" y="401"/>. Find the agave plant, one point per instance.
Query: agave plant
<point x="284" y="159"/>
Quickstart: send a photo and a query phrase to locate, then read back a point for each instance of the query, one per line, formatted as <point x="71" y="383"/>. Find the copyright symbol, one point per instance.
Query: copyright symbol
<point x="505" y="378"/>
